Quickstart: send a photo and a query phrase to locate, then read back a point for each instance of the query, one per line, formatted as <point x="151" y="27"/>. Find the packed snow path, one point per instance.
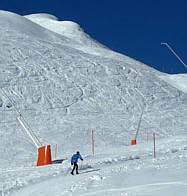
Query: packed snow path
<point x="65" y="86"/>
<point x="131" y="171"/>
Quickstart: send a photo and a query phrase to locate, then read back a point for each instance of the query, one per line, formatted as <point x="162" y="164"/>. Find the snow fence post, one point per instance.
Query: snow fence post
<point x="92" y="142"/>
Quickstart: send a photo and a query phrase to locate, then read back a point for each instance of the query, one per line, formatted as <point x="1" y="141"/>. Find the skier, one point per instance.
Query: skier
<point x="74" y="160"/>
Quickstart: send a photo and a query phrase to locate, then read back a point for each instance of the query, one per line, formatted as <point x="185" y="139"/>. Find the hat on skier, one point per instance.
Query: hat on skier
<point x="78" y="152"/>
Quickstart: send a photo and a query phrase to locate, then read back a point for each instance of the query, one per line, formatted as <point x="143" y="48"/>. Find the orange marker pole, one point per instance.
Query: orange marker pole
<point x="154" y="145"/>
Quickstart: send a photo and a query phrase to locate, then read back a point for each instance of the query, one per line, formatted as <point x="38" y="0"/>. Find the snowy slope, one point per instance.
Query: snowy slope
<point x="71" y="30"/>
<point x="65" y="87"/>
<point x="177" y="80"/>
<point x="67" y="28"/>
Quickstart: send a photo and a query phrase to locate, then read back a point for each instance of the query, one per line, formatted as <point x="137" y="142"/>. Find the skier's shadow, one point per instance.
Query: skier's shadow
<point x="93" y="170"/>
<point x="59" y="161"/>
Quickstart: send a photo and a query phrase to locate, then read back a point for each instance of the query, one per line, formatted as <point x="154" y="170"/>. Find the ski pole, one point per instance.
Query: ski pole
<point x="81" y="166"/>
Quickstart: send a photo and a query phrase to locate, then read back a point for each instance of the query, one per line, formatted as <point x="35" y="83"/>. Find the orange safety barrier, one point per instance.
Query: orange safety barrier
<point x="44" y="155"/>
<point x="133" y="142"/>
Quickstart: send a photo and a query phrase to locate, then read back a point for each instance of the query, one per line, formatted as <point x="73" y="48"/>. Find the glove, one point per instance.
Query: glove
<point x="71" y="163"/>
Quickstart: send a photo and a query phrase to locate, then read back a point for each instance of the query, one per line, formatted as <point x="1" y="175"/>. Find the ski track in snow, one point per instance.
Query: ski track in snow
<point x="110" y="166"/>
<point x="65" y="86"/>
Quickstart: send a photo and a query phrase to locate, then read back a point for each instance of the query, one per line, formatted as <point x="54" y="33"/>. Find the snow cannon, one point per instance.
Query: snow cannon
<point x="133" y="142"/>
<point x="44" y="152"/>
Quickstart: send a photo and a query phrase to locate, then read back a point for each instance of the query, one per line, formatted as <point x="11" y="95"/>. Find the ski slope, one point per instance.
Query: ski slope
<point x="65" y="84"/>
<point x="179" y="81"/>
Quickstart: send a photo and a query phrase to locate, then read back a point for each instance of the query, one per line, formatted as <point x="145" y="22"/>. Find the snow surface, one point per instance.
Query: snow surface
<point x="177" y="80"/>
<point x="64" y="88"/>
<point x="68" y="29"/>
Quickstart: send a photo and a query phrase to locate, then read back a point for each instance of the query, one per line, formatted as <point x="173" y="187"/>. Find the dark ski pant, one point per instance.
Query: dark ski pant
<point x="75" y="166"/>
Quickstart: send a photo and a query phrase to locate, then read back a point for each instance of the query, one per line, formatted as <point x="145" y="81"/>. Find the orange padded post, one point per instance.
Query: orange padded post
<point x="41" y="156"/>
<point x="48" y="156"/>
<point x="133" y="142"/>
<point x="44" y="155"/>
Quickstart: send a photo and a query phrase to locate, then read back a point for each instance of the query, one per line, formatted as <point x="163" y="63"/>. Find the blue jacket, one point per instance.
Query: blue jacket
<point x="75" y="158"/>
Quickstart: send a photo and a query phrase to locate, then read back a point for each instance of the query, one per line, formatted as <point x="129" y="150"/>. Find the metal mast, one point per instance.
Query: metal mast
<point x="23" y="123"/>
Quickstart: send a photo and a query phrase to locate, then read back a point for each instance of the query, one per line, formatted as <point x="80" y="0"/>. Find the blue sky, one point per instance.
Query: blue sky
<point x="133" y="27"/>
